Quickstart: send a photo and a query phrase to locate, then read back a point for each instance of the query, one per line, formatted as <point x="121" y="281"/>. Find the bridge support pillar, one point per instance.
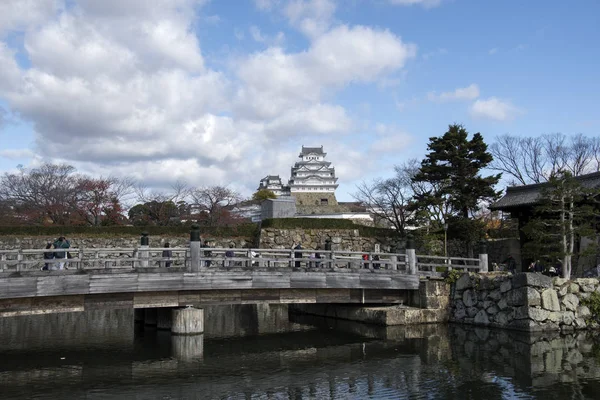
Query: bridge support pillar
<point x="164" y="318"/>
<point x="187" y="348"/>
<point x="188" y="321"/>
<point x="150" y="316"/>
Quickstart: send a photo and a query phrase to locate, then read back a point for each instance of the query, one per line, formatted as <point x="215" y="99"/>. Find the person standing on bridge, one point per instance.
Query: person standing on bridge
<point x="48" y="255"/>
<point x="167" y="254"/>
<point x="298" y="254"/>
<point x="61" y="243"/>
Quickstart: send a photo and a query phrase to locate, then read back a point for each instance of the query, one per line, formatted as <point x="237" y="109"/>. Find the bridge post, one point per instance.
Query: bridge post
<point x="483" y="257"/>
<point x="195" y="261"/>
<point x="411" y="256"/>
<point x="187" y="321"/>
<point x="144" y="253"/>
<point x="329" y="253"/>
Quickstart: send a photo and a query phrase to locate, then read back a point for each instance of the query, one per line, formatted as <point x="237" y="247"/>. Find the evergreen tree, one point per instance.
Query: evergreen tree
<point x="453" y="167"/>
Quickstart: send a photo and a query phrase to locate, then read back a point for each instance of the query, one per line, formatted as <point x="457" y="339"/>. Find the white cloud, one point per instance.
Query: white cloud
<point x="494" y="109"/>
<point x="470" y="92"/>
<point x="259" y="37"/>
<point x="265" y="4"/>
<point x="312" y="17"/>
<point x="20" y="15"/>
<point x="424" y="3"/>
<point x="122" y="88"/>
<point x="16" y="154"/>
<point x="493" y="51"/>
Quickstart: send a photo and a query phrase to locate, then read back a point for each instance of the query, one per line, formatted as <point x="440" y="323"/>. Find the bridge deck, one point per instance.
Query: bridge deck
<point x="62" y="291"/>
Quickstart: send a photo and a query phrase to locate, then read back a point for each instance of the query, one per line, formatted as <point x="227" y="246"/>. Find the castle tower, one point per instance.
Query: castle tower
<point x="273" y="183"/>
<point x="313" y="180"/>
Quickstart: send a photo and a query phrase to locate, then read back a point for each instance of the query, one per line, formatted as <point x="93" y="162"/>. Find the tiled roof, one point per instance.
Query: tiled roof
<point x="528" y="195"/>
<point x="307" y="150"/>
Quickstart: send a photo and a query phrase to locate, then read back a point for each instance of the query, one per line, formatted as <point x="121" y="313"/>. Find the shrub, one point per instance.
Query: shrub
<point x="593" y="303"/>
<point x="452" y="276"/>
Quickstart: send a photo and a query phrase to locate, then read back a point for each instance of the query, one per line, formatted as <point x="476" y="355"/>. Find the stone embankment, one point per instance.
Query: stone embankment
<point x="526" y="301"/>
<point x="341" y="239"/>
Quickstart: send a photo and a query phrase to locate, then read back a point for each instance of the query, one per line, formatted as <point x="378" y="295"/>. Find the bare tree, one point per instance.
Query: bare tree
<point x="214" y="202"/>
<point x="537" y="159"/>
<point x="48" y="192"/>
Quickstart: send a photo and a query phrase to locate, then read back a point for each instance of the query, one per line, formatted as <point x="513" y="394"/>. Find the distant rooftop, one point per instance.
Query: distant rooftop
<point x="529" y="195"/>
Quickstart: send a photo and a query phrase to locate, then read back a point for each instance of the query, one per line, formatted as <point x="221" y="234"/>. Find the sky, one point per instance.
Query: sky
<point x="225" y="92"/>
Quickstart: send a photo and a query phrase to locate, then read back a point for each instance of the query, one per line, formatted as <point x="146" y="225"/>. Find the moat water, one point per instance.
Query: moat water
<point x="250" y="352"/>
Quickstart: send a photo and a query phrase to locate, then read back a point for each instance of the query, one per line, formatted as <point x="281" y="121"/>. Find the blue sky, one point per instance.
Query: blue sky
<point x="226" y="92"/>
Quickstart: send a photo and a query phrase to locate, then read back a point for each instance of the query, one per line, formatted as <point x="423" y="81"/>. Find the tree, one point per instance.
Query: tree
<point x="98" y="200"/>
<point x="44" y="194"/>
<point x="262" y="195"/>
<point x="388" y="199"/>
<point x="567" y="212"/>
<point x="214" y="200"/>
<point x="453" y="165"/>
<point x="160" y="207"/>
<point x="537" y="159"/>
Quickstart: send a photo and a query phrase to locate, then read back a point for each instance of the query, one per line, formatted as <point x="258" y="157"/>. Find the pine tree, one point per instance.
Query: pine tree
<point x="453" y="165"/>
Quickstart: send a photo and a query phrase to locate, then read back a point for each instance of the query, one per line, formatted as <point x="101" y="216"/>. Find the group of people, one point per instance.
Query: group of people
<point x="535" y="266"/>
<point x="59" y="252"/>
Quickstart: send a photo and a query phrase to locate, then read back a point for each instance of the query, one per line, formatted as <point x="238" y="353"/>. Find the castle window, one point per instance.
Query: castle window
<point x="324" y="202"/>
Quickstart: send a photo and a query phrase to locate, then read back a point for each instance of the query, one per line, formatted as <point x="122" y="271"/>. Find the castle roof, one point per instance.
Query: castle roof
<point x="308" y="150"/>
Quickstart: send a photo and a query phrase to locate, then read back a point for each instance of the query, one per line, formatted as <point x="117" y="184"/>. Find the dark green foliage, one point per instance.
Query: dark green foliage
<point x="453" y="165"/>
<point x="325" y="223"/>
<point x="593" y="303"/>
<point x="452" y="276"/>
<point x="263" y="194"/>
<point x="244" y="230"/>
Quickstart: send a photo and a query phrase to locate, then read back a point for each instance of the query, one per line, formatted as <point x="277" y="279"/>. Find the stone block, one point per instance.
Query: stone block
<point x="550" y="300"/>
<point x="567" y="318"/>
<point x="523" y="295"/>
<point x="460" y="314"/>
<point x="495" y="295"/>
<point x="469" y="298"/>
<point x="538" y="314"/>
<point x="464" y="282"/>
<point x="562" y="292"/>
<point x="530" y="279"/>
<point x="579" y="323"/>
<point x="503" y="304"/>
<point x="504" y="317"/>
<point x="472" y="312"/>
<point x="573" y="288"/>
<point x="559" y="281"/>
<point x="583" y="312"/>
<point x="492" y="310"/>
<point x="481" y="318"/>
<point x="571" y="302"/>
<point x="505" y="286"/>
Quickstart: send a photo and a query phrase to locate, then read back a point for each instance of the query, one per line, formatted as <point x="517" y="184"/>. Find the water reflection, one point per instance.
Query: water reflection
<point x="262" y="353"/>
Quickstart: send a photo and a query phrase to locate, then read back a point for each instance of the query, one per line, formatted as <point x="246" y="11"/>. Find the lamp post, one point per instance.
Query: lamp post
<point x="446" y="242"/>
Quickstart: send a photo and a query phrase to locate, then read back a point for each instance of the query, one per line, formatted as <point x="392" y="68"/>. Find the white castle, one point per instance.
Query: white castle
<point x="311" y="175"/>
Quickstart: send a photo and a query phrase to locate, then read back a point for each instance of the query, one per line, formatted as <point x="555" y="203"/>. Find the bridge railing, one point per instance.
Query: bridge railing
<point x="147" y="257"/>
<point x="92" y="258"/>
<point x="439" y="265"/>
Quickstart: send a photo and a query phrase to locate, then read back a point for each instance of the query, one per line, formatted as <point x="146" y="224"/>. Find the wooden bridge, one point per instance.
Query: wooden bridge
<point x="141" y="277"/>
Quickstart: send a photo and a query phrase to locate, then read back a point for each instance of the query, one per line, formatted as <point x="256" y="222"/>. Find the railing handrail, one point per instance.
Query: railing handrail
<point x="151" y="257"/>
